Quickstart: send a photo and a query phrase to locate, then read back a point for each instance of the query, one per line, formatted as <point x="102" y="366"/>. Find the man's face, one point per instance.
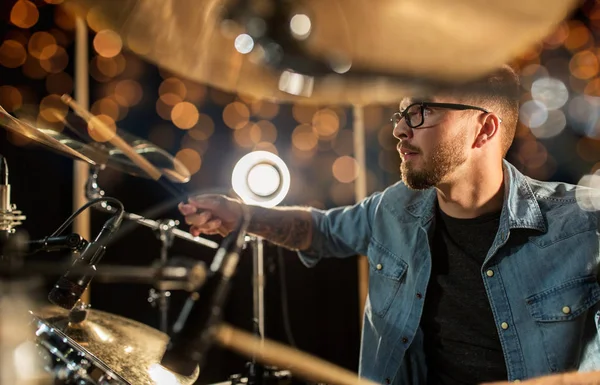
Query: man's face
<point x="431" y="152"/>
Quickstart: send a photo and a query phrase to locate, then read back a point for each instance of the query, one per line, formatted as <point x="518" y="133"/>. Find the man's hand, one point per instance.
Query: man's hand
<point x="211" y="214"/>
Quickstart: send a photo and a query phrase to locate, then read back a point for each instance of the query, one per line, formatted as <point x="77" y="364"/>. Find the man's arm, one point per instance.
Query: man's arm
<point x="289" y="227"/>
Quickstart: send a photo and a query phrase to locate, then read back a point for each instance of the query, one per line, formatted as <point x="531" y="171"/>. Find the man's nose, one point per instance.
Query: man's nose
<point x="402" y="131"/>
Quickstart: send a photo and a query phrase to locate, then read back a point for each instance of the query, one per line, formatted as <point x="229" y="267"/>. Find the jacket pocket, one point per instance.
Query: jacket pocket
<point x="386" y="271"/>
<point x="560" y="313"/>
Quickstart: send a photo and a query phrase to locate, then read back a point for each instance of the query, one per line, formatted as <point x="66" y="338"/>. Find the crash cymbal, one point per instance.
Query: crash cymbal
<point x="130" y="349"/>
<point x="49" y="138"/>
<point x="388" y="48"/>
<point x="75" y="141"/>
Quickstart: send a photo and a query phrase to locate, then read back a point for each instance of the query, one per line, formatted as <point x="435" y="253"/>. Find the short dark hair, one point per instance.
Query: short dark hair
<point x="499" y="91"/>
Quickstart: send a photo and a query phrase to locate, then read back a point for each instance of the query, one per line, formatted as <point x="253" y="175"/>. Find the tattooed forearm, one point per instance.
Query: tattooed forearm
<point x="289" y="227"/>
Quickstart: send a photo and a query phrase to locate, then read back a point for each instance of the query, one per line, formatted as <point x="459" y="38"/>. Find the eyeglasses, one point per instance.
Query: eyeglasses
<point x="415" y="114"/>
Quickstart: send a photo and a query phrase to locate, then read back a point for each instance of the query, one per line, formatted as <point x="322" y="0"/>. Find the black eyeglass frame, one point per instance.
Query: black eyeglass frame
<point x="398" y="116"/>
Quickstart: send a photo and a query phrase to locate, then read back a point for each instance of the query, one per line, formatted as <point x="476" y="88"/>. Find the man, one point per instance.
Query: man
<point x="477" y="273"/>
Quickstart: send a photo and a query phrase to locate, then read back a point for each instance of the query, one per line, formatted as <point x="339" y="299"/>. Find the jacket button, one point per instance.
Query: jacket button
<point x="387" y="381"/>
<point x="504" y="325"/>
<point x="379" y="266"/>
<point x="489" y="273"/>
<point x="404" y="340"/>
<point x="566" y="310"/>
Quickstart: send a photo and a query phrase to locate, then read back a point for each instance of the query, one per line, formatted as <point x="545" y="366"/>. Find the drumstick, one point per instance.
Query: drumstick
<point x="115" y="139"/>
<point x="273" y="353"/>
<point x="118" y="142"/>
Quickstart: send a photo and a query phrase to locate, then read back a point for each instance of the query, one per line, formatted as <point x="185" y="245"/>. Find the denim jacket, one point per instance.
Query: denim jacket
<point x="540" y="276"/>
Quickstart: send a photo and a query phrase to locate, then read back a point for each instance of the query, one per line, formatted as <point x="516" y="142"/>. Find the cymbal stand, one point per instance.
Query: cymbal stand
<point x="166" y="231"/>
<point x="256" y="373"/>
<point x="93" y="191"/>
<point x="157" y="296"/>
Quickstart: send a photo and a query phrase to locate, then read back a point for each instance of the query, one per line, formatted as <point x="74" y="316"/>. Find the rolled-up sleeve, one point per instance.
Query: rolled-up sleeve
<point x="341" y="232"/>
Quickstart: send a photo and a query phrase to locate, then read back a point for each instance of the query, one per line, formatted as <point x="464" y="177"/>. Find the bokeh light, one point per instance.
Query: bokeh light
<point x="106" y="106"/>
<point x="204" y="129"/>
<point x="24" y="14"/>
<point x="12" y="54"/>
<point x="102" y="128"/>
<point x="128" y="92"/>
<point x="10" y="98"/>
<point x="236" y="115"/>
<point x="551" y="92"/>
<point x="304" y="138"/>
<point x="107" y="43"/>
<point x="247" y="136"/>
<point x="533" y="113"/>
<point x="345" y="169"/>
<point x="584" y="65"/>
<point x="587" y="193"/>
<point x="33" y="68"/>
<point x="37" y="44"/>
<point x="184" y="115"/>
<point x="52" y="109"/>
<point x="55" y="62"/>
<point x="172" y="91"/>
<point x="190" y="159"/>
<point x="326" y="123"/>
<point x="268" y="131"/>
<point x="554" y="125"/>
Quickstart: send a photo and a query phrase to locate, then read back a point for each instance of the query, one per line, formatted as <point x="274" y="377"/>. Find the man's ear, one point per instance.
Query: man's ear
<point x="490" y="125"/>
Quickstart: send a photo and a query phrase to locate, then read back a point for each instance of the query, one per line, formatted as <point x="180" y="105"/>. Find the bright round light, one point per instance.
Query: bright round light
<point x="261" y="178"/>
<point x="533" y="113"/>
<point x="551" y="92"/>
<point x="300" y="26"/>
<point x="244" y="43"/>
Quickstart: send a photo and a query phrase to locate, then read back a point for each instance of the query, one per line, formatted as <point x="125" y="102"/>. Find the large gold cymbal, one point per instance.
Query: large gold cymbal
<point x="416" y="43"/>
<point x="130" y="349"/>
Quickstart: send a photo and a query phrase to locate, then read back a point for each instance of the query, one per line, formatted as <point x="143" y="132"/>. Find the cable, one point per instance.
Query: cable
<point x="284" y="300"/>
<point x="91" y="203"/>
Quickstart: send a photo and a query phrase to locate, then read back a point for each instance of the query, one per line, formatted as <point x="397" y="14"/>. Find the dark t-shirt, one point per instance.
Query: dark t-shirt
<point x="461" y="340"/>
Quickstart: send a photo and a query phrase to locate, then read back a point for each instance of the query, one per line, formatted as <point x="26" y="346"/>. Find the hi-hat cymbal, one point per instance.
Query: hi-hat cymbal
<point x="392" y="48"/>
<point x="130" y="349"/>
<point x="74" y="141"/>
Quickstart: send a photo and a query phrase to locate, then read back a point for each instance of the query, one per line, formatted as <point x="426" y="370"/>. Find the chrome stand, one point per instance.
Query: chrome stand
<point x="166" y="230"/>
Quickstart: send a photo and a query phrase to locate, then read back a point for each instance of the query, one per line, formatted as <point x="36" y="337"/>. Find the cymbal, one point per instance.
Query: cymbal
<point x="130" y="349"/>
<point x="75" y="142"/>
<point x="392" y="48"/>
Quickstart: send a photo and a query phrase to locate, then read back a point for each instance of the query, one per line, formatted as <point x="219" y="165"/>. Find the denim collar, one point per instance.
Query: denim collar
<point x="520" y="208"/>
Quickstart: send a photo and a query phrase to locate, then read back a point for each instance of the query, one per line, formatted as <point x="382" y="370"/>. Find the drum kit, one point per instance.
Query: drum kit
<point x="312" y="51"/>
<point x="75" y="344"/>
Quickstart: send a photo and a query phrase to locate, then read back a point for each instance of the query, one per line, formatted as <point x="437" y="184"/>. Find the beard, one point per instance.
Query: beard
<point x="445" y="159"/>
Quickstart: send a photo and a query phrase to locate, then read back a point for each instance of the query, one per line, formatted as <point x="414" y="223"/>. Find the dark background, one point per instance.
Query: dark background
<point x="322" y="301"/>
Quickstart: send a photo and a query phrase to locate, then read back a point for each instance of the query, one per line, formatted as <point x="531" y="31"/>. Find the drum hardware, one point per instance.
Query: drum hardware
<point x="10" y="217"/>
<point x="165" y="231"/>
<point x="194" y="330"/>
<point x="157" y="296"/>
<point x="70" y="286"/>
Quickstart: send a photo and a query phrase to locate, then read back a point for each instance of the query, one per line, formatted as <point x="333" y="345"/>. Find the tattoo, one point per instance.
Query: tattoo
<point x="289" y="227"/>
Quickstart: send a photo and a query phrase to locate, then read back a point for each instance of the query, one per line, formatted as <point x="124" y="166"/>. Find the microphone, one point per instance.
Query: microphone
<point x="69" y="288"/>
<point x="193" y="332"/>
<point x="73" y="242"/>
<point x="9" y="216"/>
